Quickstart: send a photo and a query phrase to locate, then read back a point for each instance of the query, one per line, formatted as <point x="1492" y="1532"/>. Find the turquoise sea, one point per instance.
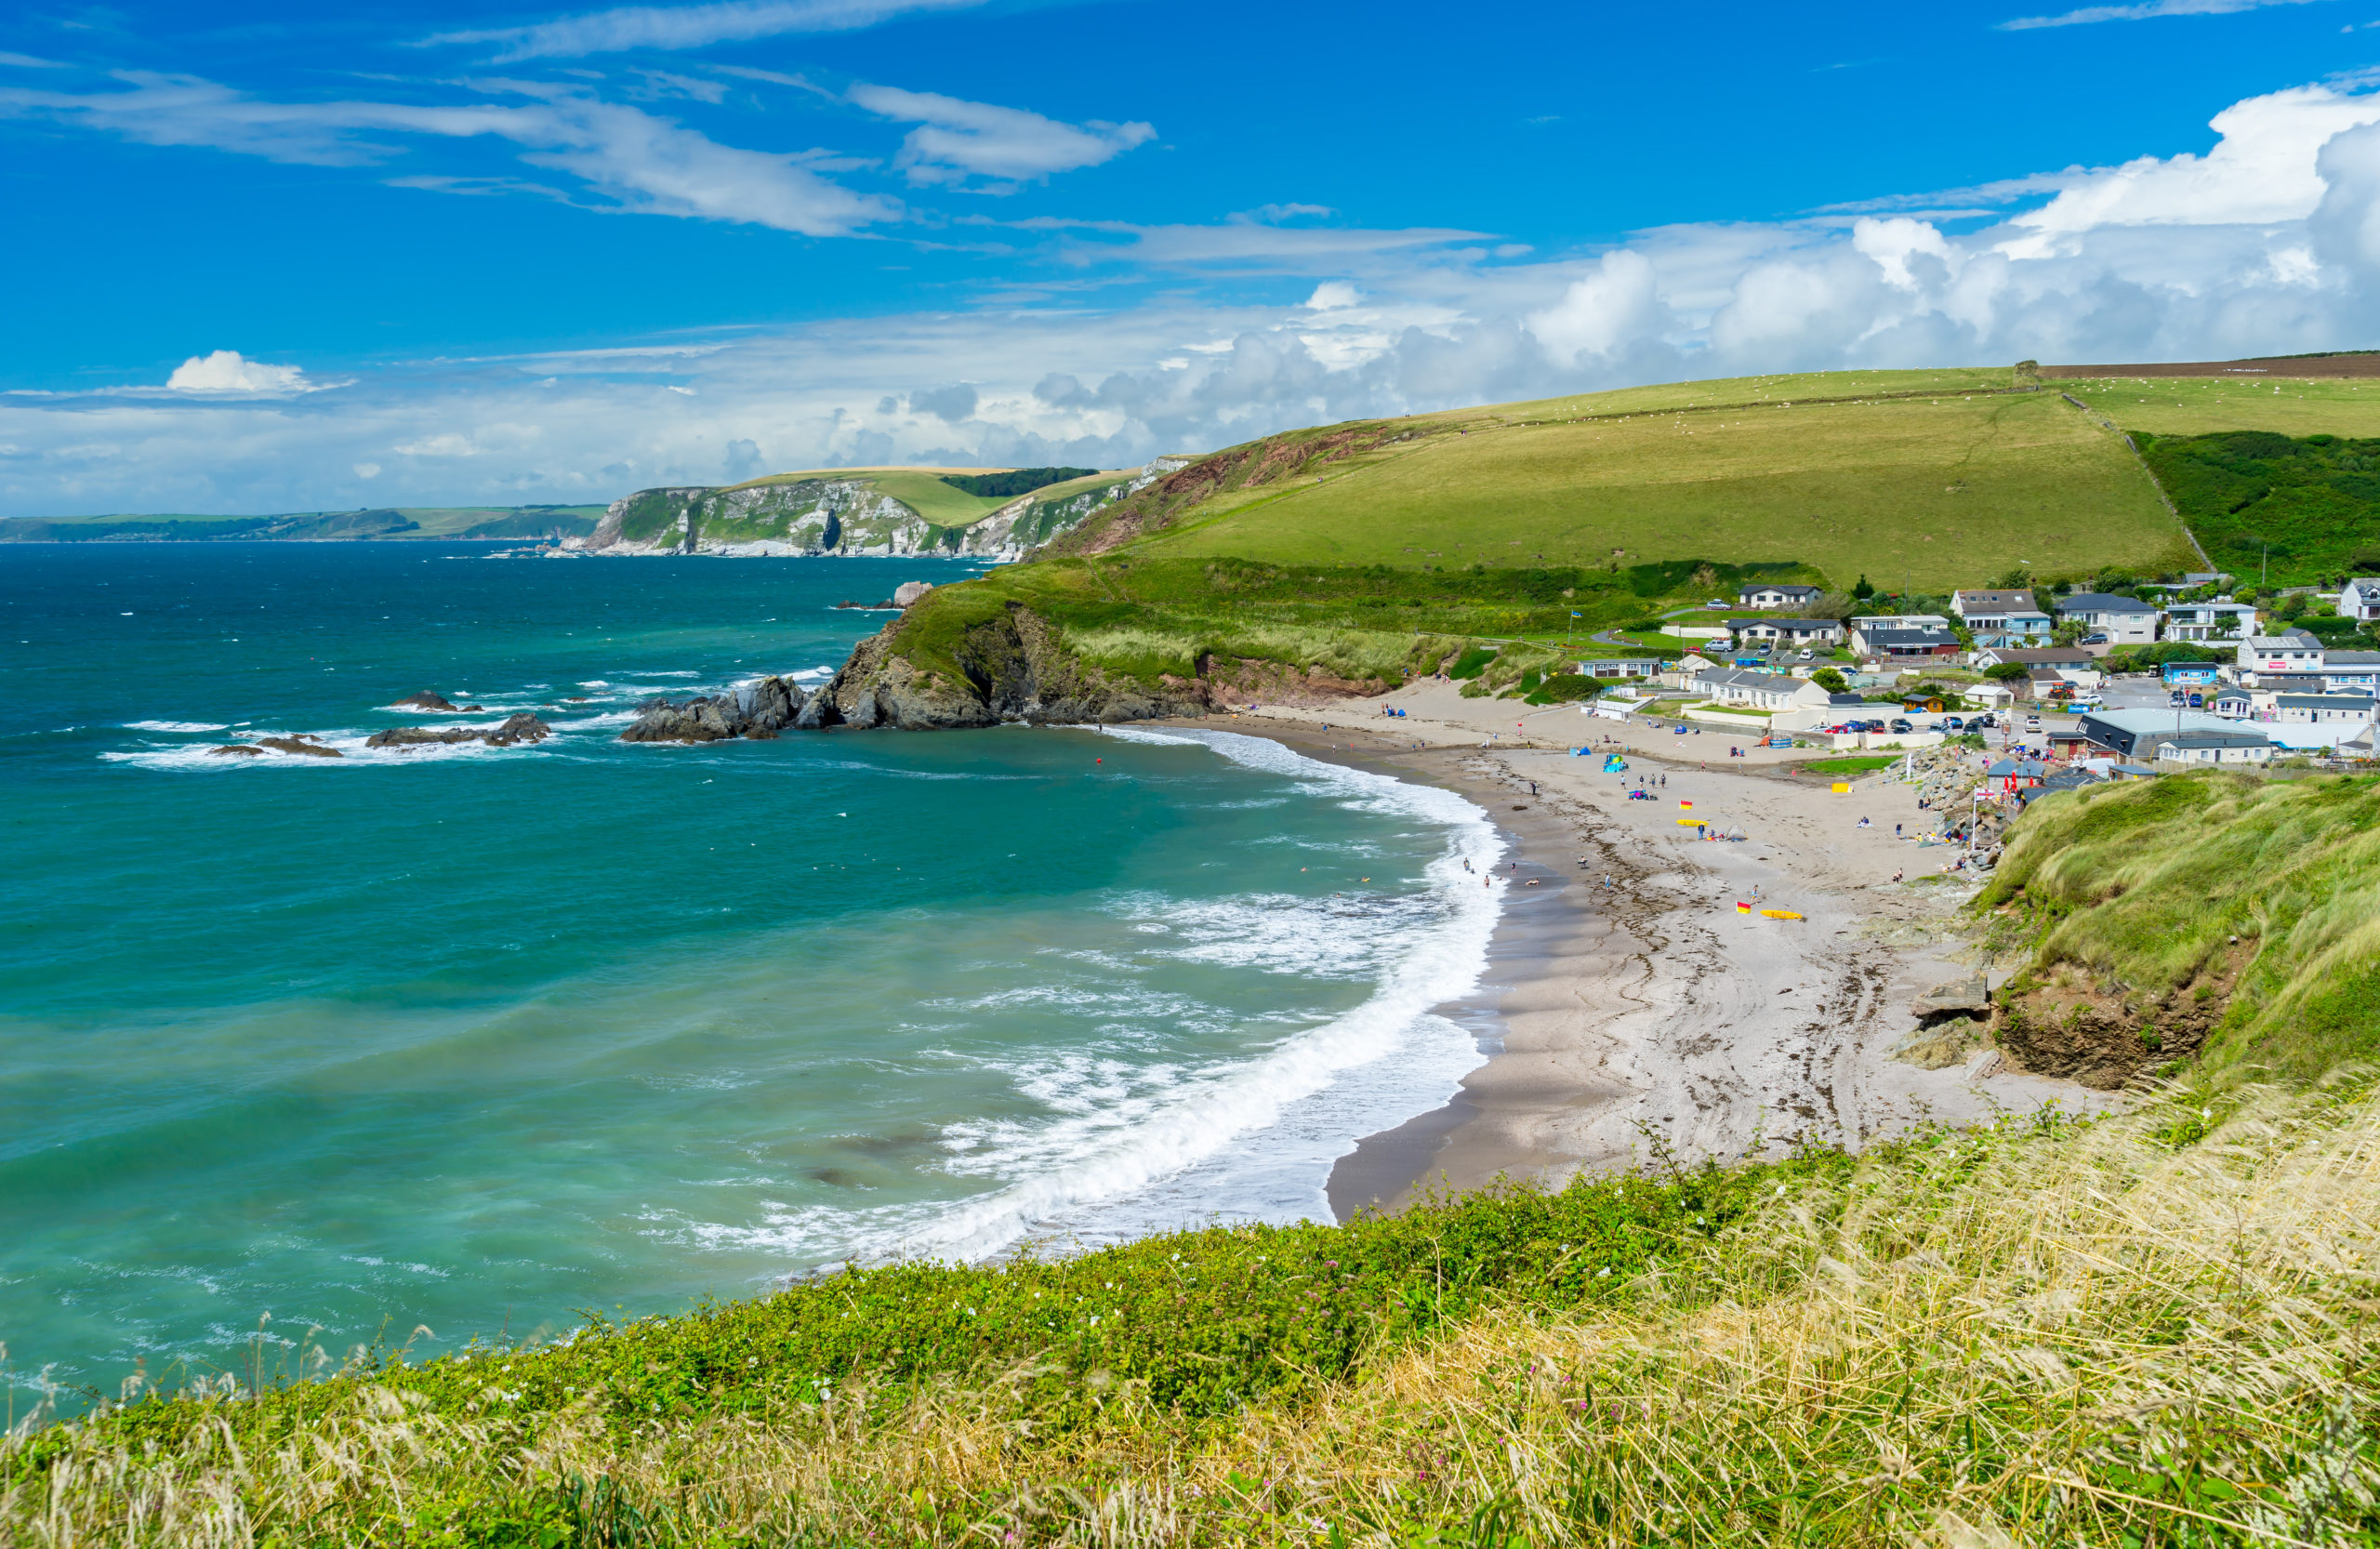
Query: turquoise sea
<point x="465" y="1040"/>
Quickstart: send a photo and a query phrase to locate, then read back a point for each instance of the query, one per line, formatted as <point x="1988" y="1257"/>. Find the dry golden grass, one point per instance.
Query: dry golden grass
<point x="2155" y="1330"/>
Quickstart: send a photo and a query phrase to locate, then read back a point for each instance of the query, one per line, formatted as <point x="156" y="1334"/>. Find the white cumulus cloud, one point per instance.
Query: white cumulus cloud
<point x="229" y="371"/>
<point x="2262" y="170"/>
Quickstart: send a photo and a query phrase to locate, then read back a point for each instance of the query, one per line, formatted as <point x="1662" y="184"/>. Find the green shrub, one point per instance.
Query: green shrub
<point x="1472" y="662"/>
<point x="1562" y="688"/>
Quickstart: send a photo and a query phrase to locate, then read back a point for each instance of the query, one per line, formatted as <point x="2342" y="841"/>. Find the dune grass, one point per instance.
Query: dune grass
<point x="2153" y="1329"/>
<point x="1930" y="493"/>
<point x="2158" y="895"/>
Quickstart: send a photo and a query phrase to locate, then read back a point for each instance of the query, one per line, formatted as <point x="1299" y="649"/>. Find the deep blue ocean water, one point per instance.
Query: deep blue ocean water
<point x="465" y="1039"/>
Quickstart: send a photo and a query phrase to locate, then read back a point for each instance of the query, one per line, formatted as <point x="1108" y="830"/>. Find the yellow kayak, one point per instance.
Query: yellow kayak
<point x="1780" y="914"/>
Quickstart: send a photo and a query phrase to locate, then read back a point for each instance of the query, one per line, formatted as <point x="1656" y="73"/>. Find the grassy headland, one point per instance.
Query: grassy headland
<point x="394" y="522"/>
<point x="1150" y="618"/>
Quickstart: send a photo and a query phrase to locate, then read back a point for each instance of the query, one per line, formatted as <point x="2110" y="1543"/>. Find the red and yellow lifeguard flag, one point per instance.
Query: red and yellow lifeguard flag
<point x="1742" y="908"/>
<point x="1685" y="806"/>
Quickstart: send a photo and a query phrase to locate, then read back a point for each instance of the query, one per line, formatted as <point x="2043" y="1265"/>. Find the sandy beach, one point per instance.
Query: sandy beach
<point x="1628" y="1005"/>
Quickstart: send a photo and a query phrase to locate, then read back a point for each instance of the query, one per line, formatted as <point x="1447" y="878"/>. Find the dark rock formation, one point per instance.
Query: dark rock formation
<point x="1011" y="667"/>
<point x="236" y="751"/>
<point x="517" y="728"/>
<point x="299" y="745"/>
<point x="761" y="709"/>
<point x="427" y="699"/>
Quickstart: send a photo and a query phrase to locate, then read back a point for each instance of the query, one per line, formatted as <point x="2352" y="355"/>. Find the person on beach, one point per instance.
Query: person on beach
<point x="1863" y="823"/>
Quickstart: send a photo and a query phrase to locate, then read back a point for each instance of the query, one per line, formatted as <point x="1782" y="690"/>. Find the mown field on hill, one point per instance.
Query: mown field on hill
<point x="1930" y="491"/>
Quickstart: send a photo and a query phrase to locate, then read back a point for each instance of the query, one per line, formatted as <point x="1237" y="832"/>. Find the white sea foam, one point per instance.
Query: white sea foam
<point x="1138" y="1148"/>
<point x="349" y="743"/>
<point x="176" y="726"/>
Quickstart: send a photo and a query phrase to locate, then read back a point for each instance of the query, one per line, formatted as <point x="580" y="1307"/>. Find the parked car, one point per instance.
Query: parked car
<point x="1902" y="728"/>
<point x="1983" y="722"/>
<point x="1953" y="724"/>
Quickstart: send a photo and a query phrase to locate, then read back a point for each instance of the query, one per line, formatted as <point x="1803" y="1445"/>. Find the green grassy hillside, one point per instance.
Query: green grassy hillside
<point x="1934" y="492"/>
<point x="2226" y="916"/>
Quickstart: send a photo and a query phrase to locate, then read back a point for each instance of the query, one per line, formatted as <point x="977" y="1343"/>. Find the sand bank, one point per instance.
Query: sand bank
<point x="1649" y="1013"/>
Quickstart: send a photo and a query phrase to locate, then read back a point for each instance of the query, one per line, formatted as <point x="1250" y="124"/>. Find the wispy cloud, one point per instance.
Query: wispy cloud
<point x="673" y="27"/>
<point x="633" y="162"/>
<point x="2149" y="11"/>
<point x="957" y="139"/>
<point x="1243" y="241"/>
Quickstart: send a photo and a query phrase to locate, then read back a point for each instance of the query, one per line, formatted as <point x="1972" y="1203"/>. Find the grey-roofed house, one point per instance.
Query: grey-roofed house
<point x="1766" y="596"/>
<point x="1624" y="667"/>
<point x="2044" y="655"/>
<point x="1759" y="691"/>
<point x="1787" y="631"/>
<point x="2344" y="671"/>
<point x="2213" y="747"/>
<point x="1978" y="608"/>
<point x="2003" y="618"/>
<point x="2209" y="621"/>
<point x="2124" y="620"/>
<point x="1904" y="643"/>
<point x="2360" y="598"/>
<point x="2137" y="734"/>
<point x="2294" y="651"/>
<point x="2301" y="709"/>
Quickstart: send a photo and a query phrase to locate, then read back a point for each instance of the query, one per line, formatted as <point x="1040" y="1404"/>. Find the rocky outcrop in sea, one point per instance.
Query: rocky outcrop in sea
<point x="517" y="728"/>
<point x="760" y="709"/>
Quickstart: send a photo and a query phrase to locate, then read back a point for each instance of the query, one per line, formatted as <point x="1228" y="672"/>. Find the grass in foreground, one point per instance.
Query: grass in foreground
<point x="2153" y="1329"/>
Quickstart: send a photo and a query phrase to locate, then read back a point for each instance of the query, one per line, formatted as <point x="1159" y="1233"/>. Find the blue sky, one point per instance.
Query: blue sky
<point x="286" y="257"/>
